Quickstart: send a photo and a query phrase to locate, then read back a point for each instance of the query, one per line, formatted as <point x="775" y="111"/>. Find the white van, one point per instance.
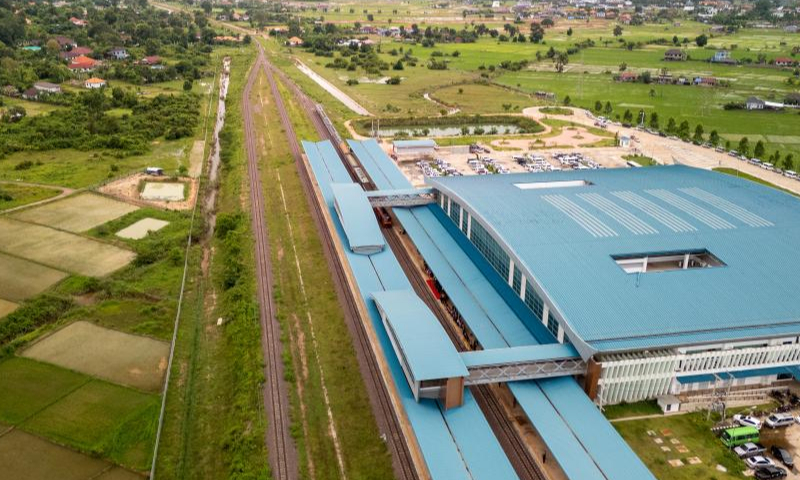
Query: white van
<point x="777" y="420"/>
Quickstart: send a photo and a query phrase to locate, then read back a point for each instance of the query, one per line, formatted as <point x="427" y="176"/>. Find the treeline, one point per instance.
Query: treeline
<point x="85" y="125"/>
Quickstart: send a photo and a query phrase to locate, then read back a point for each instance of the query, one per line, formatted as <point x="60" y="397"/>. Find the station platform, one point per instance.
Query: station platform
<point x="582" y="441"/>
<point x="455" y="444"/>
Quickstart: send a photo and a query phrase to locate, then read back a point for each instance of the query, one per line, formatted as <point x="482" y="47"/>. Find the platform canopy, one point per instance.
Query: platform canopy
<point x="424" y="346"/>
<point x="358" y="220"/>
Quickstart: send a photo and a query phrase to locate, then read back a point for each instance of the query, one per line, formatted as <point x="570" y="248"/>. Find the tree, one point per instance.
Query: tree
<point x="608" y="109"/>
<point x="627" y="116"/>
<point x="187" y="86"/>
<point x="537" y="33"/>
<point x="247" y="40"/>
<point x="759" y="150"/>
<point x="683" y="129"/>
<point x="623" y="66"/>
<point x="713" y="138"/>
<point x="548" y="22"/>
<point x="617" y="31"/>
<point x="569" y="32"/>
<point x="561" y="59"/>
<point x="701" y="40"/>
<point x="698" y="133"/>
<point x="672" y="127"/>
<point x="398" y="65"/>
<point x="654" y="120"/>
<point x="14" y="114"/>
<point x="744" y="147"/>
<point x="788" y="162"/>
<point x="206" y="6"/>
<point x="675" y="40"/>
<point x="393" y="81"/>
<point x="598" y="105"/>
<point x="567" y="100"/>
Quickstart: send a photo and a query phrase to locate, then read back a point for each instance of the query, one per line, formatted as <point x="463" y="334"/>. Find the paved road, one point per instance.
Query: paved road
<point x="669" y="151"/>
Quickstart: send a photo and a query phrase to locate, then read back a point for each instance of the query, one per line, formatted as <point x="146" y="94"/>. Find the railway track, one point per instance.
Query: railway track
<point x="509" y="438"/>
<point x="380" y="401"/>
<point x="280" y="447"/>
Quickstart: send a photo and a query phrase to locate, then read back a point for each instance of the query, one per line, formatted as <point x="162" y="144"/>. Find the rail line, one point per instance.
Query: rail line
<point x="487" y="399"/>
<point x="380" y="402"/>
<point x="280" y="447"/>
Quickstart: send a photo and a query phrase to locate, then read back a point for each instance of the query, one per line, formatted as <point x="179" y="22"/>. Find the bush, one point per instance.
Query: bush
<point x="30" y="316"/>
<point x="24" y="165"/>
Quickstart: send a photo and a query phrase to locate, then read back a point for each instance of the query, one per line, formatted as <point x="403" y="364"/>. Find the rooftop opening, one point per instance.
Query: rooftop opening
<point x="667" y="261"/>
<point x="554" y="184"/>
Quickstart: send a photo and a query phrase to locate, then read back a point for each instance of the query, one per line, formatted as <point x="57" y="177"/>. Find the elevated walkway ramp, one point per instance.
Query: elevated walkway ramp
<point x="360" y="225"/>
<point x="408" y="197"/>
<point x="514" y="364"/>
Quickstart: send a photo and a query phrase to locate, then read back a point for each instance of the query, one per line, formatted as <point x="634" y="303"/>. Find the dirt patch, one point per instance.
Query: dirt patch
<point x="77" y="213"/>
<point x="196" y="158"/>
<point x="162" y="191"/>
<point x="6" y="307"/>
<point x="142" y="228"/>
<point x="127" y="189"/>
<point x="25" y="456"/>
<point x="62" y="250"/>
<point x="21" y="279"/>
<point x="122" y="358"/>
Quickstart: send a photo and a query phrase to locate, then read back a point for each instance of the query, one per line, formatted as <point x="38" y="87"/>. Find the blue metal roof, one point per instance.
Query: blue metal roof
<point x="362" y="230"/>
<point x="530" y="353"/>
<point x="448" y="447"/>
<point x="495" y="314"/>
<point x="564" y="238"/>
<point x="428" y="351"/>
<point x="414" y="143"/>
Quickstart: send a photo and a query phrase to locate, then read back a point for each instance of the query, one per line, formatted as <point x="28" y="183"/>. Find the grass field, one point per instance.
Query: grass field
<point x="118" y="357"/>
<point x="142" y="228"/>
<point x="23" y="195"/>
<point x="34" y="280"/>
<point x="61" y="250"/>
<point x="27" y="456"/>
<point x="747" y="176"/>
<point x="624" y="410"/>
<point x="642" y="160"/>
<point x="76" y="213"/>
<point x="692" y="431"/>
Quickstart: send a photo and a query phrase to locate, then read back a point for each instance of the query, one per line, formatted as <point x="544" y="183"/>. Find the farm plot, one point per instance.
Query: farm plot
<point x="119" y="357"/>
<point x="59" y="249"/>
<point x="76" y="214"/>
<point x="142" y="228"/>
<point x="171" y="192"/>
<point x="6" y="307"/>
<point x="21" y="279"/>
<point x="28" y="457"/>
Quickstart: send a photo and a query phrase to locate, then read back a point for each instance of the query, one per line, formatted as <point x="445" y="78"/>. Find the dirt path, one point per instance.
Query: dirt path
<point x="65" y="192"/>
<point x="332" y="89"/>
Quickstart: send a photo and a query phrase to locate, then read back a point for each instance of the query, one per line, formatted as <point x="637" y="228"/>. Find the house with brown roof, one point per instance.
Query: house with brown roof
<point x="76" y="52"/>
<point x="295" y="42"/>
<point x="77" y="22"/>
<point x="65" y="42"/>
<point x="675" y="55"/>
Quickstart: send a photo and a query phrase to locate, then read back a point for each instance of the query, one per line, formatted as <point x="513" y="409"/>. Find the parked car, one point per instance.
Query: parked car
<point x="759" y="461"/>
<point x="777" y="420"/>
<point x="747" y="421"/>
<point x="768" y="473"/>
<point x="782" y="455"/>
<point x="749" y="450"/>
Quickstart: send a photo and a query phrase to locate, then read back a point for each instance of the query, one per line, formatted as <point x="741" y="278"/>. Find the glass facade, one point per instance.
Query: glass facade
<point x="500" y="261"/>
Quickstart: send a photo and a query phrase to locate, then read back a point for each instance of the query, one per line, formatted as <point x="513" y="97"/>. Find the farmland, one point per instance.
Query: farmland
<point x="77" y="213"/>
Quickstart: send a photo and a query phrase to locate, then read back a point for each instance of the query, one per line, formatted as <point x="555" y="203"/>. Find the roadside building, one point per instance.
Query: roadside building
<point x="723" y="56"/>
<point x="674" y="55"/>
<point x="415" y="148"/>
<point x="754" y="103"/>
<point x="784" y="62"/>
<point x="47" y="87"/>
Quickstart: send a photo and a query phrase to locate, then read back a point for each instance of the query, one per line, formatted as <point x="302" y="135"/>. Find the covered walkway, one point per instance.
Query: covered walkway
<point x="582" y="441"/>
<point x="456" y="444"/>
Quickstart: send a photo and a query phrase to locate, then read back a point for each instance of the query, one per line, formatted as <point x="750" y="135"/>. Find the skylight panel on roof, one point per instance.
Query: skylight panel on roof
<point x="665" y="217"/>
<point x="624" y="217"/>
<point x="589" y="222"/>
<point x="553" y="184"/>
<point x="728" y="207"/>
<point x="690" y="208"/>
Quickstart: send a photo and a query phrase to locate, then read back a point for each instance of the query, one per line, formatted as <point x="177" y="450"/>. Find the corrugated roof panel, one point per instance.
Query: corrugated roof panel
<point x="589" y="222"/>
<point x="428" y="350"/>
<point x="690" y="208"/>
<point x="666" y="218"/>
<point x="360" y="225"/>
<point x="530" y="353"/>
<point x="622" y="216"/>
<point x="730" y="208"/>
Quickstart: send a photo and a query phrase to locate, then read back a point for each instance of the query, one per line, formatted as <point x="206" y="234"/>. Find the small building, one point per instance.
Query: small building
<point x="754" y="103"/>
<point x="784" y="62"/>
<point x="82" y="64"/>
<point x="722" y="56"/>
<point x="628" y="77"/>
<point x="65" y="42"/>
<point x="150" y="60"/>
<point x="624" y="141"/>
<point x="674" y="55"/>
<point x="416" y="148"/>
<point x="47" y="87"/>
<point x="30" y="94"/>
<point x="295" y="42"/>
<point x="792" y="99"/>
<point x="77" y="22"/>
<point x="117" y="53"/>
<point x="94" y="82"/>
<point x="705" y="81"/>
<point x="157" y="171"/>
<point x="76" y="52"/>
<point x="668" y="403"/>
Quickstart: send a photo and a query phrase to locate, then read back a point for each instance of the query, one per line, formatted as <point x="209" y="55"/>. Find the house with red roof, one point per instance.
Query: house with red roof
<point x="784" y="62"/>
<point x="82" y="64"/>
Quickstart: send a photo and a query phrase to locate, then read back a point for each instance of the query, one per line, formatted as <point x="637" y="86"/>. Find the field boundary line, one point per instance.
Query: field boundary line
<point x="62" y="397"/>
